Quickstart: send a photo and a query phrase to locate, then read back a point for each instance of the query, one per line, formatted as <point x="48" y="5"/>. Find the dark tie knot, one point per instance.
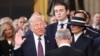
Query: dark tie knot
<point x="39" y="38"/>
<point x="62" y="25"/>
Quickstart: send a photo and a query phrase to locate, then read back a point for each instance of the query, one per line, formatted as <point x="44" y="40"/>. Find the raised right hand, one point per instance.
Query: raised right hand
<point x="18" y="38"/>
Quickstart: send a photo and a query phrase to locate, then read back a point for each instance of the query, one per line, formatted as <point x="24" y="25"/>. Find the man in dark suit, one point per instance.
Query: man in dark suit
<point x="96" y="44"/>
<point x="80" y="40"/>
<point x="97" y="52"/>
<point x="34" y="42"/>
<point x="61" y="12"/>
<point x="64" y="39"/>
<point x="96" y="21"/>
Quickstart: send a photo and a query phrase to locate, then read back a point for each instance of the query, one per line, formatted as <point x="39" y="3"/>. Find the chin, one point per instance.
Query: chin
<point x="73" y="32"/>
<point x="41" y="34"/>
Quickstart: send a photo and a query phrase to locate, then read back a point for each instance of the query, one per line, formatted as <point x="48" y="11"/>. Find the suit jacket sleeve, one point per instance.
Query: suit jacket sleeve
<point x="48" y="54"/>
<point x="18" y="52"/>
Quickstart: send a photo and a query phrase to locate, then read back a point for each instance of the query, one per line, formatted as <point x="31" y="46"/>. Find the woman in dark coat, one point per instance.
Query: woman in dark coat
<point x="6" y="39"/>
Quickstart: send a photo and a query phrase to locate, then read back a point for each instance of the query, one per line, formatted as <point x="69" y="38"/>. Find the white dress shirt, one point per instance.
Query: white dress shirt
<point x="36" y="43"/>
<point x="76" y="36"/>
<point x="94" y="26"/>
<point x="42" y="42"/>
<point x="64" y="44"/>
<point x="64" y="22"/>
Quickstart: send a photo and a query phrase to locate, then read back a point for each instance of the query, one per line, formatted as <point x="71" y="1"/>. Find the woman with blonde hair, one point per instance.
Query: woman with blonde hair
<point x="7" y="33"/>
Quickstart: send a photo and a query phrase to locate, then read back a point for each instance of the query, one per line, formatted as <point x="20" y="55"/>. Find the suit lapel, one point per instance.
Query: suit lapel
<point x="47" y="45"/>
<point x="80" y="40"/>
<point x="55" y="27"/>
<point x="32" y="46"/>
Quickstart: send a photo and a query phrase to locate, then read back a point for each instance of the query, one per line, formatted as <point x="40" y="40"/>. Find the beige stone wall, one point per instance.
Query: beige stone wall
<point x="92" y="6"/>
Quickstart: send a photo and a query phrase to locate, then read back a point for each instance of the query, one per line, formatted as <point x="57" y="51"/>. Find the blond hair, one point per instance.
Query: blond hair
<point x="2" y="29"/>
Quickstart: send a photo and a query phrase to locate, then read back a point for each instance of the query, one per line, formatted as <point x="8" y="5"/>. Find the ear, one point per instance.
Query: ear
<point x="68" y="12"/>
<point x="58" y="40"/>
<point x="70" y="39"/>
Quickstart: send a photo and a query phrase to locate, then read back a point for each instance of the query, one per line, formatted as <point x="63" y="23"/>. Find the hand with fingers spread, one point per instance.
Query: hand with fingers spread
<point x="18" y="39"/>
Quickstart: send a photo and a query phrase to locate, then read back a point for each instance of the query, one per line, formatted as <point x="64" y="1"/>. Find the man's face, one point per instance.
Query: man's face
<point x="76" y="29"/>
<point x="60" y="12"/>
<point x="38" y="27"/>
<point x="22" y="21"/>
<point x="96" y="18"/>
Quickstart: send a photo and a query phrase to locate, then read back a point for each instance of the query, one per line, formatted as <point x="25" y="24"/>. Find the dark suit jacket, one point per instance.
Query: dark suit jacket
<point x="51" y="30"/>
<point x="28" y="48"/>
<point x="91" y="32"/>
<point x="96" y="43"/>
<point x="5" y="48"/>
<point x="64" y="51"/>
<point x="97" y="52"/>
<point x="84" y="44"/>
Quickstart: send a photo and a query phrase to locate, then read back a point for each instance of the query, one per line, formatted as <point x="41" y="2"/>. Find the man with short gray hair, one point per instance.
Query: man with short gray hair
<point x="63" y="40"/>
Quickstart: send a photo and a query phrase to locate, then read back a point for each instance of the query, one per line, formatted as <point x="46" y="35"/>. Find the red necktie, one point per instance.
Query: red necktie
<point x="40" y="48"/>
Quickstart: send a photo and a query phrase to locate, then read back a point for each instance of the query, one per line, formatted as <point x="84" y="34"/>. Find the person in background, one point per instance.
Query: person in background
<point x="96" y="26"/>
<point x="5" y="19"/>
<point x="96" y="21"/>
<point x="53" y="19"/>
<point x="63" y="40"/>
<point x="15" y="24"/>
<point x="7" y="33"/>
<point x="71" y="14"/>
<point x="25" y="27"/>
<point x="61" y="12"/>
<point x="21" y="21"/>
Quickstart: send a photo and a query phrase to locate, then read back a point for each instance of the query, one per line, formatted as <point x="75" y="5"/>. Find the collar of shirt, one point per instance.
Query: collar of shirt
<point x="36" y="37"/>
<point x="76" y="36"/>
<point x="94" y="26"/>
<point x="42" y="42"/>
<point x="64" y="44"/>
<point x="64" y="22"/>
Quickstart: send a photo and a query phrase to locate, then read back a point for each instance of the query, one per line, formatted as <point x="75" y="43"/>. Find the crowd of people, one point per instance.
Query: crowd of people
<point x="68" y="33"/>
